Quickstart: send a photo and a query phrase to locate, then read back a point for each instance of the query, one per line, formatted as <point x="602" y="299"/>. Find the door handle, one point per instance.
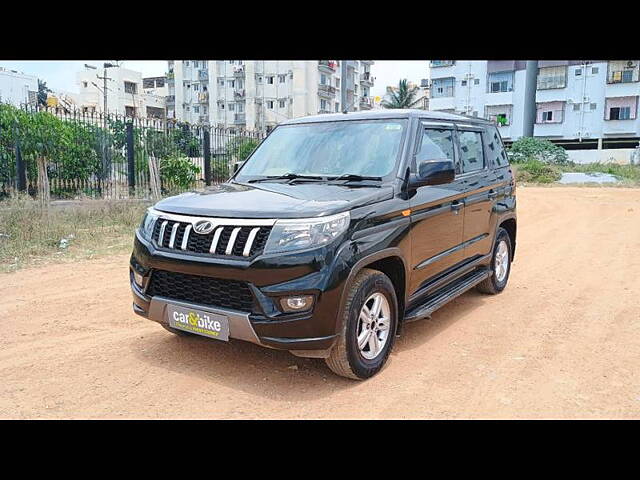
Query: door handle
<point x="457" y="205"/>
<point x="493" y="194"/>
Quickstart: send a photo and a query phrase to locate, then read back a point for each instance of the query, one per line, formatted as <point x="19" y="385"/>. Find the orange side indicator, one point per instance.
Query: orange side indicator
<point x="406" y="213"/>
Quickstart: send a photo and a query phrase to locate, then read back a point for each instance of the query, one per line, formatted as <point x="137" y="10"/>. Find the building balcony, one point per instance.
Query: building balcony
<point x="327" y="66"/>
<point x="239" y="94"/>
<point x="203" y="97"/>
<point x="238" y="72"/>
<point x="442" y="63"/>
<point x="171" y="99"/>
<point x="326" y="91"/>
<point x="239" y="119"/>
<point x="365" y="103"/>
<point x="366" y="79"/>
<point x="203" y="75"/>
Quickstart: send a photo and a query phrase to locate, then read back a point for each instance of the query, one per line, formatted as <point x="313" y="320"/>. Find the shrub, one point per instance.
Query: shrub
<point x="177" y="171"/>
<point x="535" y="171"/>
<point x="528" y="148"/>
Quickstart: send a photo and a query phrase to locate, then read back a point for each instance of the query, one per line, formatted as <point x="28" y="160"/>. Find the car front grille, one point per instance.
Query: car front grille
<point x="212" y="292"/>
<point x="245" y="241"/>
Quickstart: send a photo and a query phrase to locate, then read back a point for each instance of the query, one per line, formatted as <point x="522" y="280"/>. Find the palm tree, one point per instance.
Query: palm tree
<point x="401" y="97"/>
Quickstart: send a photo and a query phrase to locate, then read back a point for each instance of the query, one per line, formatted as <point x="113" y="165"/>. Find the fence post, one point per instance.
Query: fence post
<point x="21" y="171"/>
<point x="207" y="157"/>
<point x="131" y="164"/>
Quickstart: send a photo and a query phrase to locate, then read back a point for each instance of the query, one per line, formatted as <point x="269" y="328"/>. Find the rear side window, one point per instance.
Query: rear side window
<point x="471" y="153"/>
<point x="495" y="148"/>
<point x="436" y="144"/>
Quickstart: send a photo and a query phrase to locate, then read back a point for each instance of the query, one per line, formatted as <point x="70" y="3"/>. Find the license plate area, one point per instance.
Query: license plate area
<point x="199" y="322"/>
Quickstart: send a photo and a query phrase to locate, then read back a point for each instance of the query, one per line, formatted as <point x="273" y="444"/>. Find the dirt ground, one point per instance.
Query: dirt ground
<point x="562" y="341"/>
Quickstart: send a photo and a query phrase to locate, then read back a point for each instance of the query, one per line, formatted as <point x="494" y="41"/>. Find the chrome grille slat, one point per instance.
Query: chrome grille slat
<point x="185" y="238"/>
<point x="232" y="240"/>
<point x="216" y="238"/>
<point x="248" y="245"/>
<point x="162" y="229"/>
<point x="236" y="238"/>
<point x="174" y="230"/>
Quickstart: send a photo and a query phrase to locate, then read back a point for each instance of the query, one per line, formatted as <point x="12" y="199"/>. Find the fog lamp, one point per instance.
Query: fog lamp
<point x="137" y="278"/>
<point x="298" y="303"/>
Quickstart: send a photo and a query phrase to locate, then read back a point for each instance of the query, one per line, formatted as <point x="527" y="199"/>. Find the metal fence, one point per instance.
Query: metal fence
<point x="113" y="156"/>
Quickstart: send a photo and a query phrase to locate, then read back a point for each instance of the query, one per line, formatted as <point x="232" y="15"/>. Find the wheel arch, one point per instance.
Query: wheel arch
<point x="510" y="225"/>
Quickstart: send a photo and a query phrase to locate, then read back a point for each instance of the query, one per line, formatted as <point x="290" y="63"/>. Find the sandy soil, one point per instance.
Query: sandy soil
<point x="562" y="341"/>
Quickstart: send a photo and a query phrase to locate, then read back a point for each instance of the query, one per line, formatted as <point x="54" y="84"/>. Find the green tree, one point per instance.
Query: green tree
<point x="42" y="92"/>
<point x="401" y="97"/>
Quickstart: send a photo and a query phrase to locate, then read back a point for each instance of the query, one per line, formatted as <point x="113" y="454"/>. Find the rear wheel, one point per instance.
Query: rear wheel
<point x="500" y="265"/>
<point x="369" y="326"/>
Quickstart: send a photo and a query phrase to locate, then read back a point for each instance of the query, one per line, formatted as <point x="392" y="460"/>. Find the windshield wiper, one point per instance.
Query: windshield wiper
<point x="286" y="176"/>
<point x="352" y="177"/>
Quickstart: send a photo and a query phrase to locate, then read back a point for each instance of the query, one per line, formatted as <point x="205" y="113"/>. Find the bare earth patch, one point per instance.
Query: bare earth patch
<point x="560" y="342"/>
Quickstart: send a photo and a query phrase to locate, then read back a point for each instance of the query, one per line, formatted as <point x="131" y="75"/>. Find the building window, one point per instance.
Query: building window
<point x="323" y="79"/>
<point x="129" y="111"/>
<point x="337" y="83"/>
<point x="270" y="103"/>
<point x="501" y="82"/>
<point x="442" y="87"/>
<point x="550" y="112"/>
<point x="196" y="87"/>
<point x="282" y="78"/>
<point x="442" y="63"/>
<point x="259" y="79"/>
<point x="552" y="77"/>
<point x="594" y="70"/>
<point x="232" y="107"/>
<point x="186" y="63"/>
<point x="196" y="64"/>
<point x="231" y="83"/>
<point x="270" y="79"/>
<point x="578" y="72"/>
<point x="337" y="107"/>
<point x="84" y="84"/>
<point x="623" y="71"/>
<point x="476" y="81"/>
<point x="196" y="109"/>
<point x="464" y="83"/>
<point x="130" y="87"/>
<point x="282" y="103"/>
<point x="323" y="104"/>
<point x="240" y="108"/>
<point x="621" y="108"/>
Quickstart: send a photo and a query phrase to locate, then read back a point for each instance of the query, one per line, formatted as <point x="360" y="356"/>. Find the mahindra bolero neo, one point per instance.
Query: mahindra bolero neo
<point x="334" y="233"/>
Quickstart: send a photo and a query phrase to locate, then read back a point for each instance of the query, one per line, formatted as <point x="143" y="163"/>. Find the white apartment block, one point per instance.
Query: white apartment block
<point x="127" y="93"/>
<point x="257" y="95"/>
<point x="578" y="103"/>
<point x="18" y="88"/>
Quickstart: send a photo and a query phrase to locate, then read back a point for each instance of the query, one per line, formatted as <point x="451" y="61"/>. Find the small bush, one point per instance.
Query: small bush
<point x="526" y="149"/>
<point x="177" y="171"/>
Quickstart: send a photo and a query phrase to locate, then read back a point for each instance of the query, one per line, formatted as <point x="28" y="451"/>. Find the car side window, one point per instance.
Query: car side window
<point x="436" y="144"/>
<point x="471" y="152"/>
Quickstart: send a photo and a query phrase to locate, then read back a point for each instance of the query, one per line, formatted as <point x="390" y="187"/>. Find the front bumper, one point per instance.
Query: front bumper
<point x="311" y="333"/>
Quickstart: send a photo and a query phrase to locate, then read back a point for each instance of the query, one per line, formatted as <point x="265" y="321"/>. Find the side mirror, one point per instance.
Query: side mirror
<point x="433" y="172"/>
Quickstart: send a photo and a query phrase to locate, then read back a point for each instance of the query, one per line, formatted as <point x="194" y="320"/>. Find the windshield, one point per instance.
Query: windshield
<point x="328" y="149"/>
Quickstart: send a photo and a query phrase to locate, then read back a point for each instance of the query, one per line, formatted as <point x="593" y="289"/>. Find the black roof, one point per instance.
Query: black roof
<point x="384" y="113"/>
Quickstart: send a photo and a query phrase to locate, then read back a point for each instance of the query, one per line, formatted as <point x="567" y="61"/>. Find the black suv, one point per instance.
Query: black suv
<point x="336" y="231"/>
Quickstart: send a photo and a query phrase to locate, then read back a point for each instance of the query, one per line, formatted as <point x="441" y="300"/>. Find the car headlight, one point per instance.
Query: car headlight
<point x="146" y="226"/>
<point x="302" y="233"/>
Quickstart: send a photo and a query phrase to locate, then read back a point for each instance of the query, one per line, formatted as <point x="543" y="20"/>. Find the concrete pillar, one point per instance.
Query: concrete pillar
<point x="529" y="114"/>
<point x="600" y="144"/>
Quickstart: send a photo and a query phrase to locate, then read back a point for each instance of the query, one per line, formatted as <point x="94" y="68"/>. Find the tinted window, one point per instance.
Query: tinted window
<point x="495" y="149"/>
<point x="437" y="144"/>
<point x="471" y="154"/>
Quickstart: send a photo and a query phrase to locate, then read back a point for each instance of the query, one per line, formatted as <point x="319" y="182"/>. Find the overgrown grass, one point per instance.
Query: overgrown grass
<point x="31" y="235"/>
<point x="535" y="171"/>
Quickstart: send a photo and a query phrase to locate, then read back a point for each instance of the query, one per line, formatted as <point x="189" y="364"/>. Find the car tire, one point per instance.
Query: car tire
<point x="500" y="264"/>
<point x="373" y="290"/>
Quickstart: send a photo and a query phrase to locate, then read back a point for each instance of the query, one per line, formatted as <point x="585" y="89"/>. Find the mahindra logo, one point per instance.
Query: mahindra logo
<point x="203" y="227"/>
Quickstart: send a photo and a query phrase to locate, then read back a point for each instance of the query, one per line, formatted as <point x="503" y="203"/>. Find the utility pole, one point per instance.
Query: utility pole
<point x="105" y="160"/>
<point x="104" y="78"/>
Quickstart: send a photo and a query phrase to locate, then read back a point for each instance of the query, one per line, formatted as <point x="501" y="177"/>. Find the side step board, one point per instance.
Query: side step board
<point x="445" y="295"/>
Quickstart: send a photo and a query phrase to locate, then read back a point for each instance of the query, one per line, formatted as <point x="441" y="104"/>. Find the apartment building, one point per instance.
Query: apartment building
<point x="18" y="88"/>
<point x="579" y="104"/>
<point x="260" y="94"/>
<point x="127" y="93"/>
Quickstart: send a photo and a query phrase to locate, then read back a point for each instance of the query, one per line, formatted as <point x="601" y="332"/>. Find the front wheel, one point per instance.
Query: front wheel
<point x="500" y="265"/>
<point x="369" y="326"/>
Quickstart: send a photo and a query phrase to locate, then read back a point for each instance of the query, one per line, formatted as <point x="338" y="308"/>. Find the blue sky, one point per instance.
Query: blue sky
<point x="61" y="75"/>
